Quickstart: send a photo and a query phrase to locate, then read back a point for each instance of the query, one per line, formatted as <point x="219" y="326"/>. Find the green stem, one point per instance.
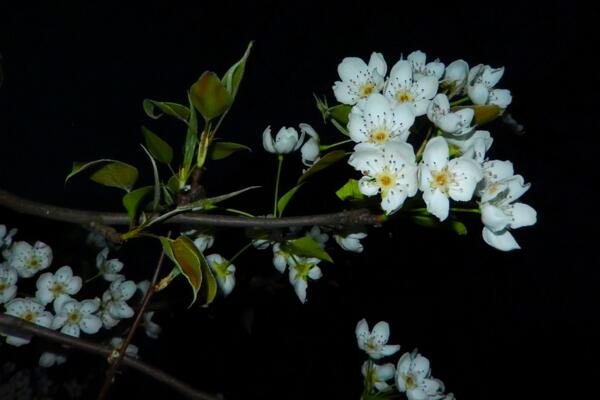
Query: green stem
<point x="239" y="253"/>
<point x="467" y="210"/>
<point x="280" y="162"/>
<point x="240" y="212"/>
<point x="329" y="146"/>
<point x="460" y="101"/>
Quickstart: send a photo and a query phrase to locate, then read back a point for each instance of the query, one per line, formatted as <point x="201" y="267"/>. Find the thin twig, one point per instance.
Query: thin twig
<point x="112" y="371"/>
<point x="16" y="326"/>
<point x="95" y="219"/>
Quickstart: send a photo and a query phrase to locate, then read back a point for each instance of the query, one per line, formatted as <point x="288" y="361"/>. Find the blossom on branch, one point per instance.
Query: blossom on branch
<point x="285" y="142"/>
<point x="413" y="377"/>
<point x="76" y="316"/>
<point x="29" y="310"/>
<point x="359" y="80"/>
<point x="28" y="260"/>
<point x="374" y="342"/>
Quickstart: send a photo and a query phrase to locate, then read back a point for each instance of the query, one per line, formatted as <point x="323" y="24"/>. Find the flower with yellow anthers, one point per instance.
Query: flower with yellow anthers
<point x="61" y="284"/>
<point x="378" y="375"/>
<point x="390" y="170"/>
<point x="301" y="270"/>
<point x="423" y="68"/>
<point x="224" y="271"/>
<point x="405" y="87"/>
<point x="374" y="342"/>
<point x="28" y="260"/>
<point x="377" y="120"/>
<point x="457" y="123"/>
<point x="76" y="316"/>
<point x="413" y="377"/>
<point x="359" y="80"/>
<point x="8" y="283"/>
<point x="480" y="86"/>
<point x="441" y="178"/>
<point x="29" y="310"/>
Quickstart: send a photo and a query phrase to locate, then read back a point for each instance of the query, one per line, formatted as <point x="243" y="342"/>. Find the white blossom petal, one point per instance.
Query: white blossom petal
<point x="502" y="240"/>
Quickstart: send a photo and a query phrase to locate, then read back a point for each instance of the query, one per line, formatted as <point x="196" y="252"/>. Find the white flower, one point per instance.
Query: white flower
<point x="320" y="237"/>
<point x="114" y="305"/>
<point x="109" y="268"/>
<point x="8" y="283"/>
<point x="48" y="359"/>
<point x="75" y="316"/>
<point x="52" y="286"/>
<point x="285" y="142"/>
<point x="28" y="260"/>
<point x="378" y="374"/>
<point x="6" y="237"/>
<point x="151" y="328"/>
<point x="481" y="81"/>
<point x="351" y="242"/>
<point x="442" y="178"/>
<point x="281" y="258"/>
<point x="457" y="72"/>
<point x="131" y="351"/>
<point x="29" y="310"/>
<point x="301" y="269"/>
<point x="494" y="171"/>
<point x="261" y="244"/>
<point x="204" y="241"/>
<point x="420" y="68"/>
<point x="310" y="149"/>
<point x="378" y="120"/>
<point x="439" y="113"/>
<point x="501" y="213"/>
<point x="224" y="272"/>
<point x="472" y="145"/>
<point x="405" y="88"/>
<point x="374" y="343"/>
<point x="359" y="80"/>
<point x="413" y="377"/>
<point x="390" y="170"/>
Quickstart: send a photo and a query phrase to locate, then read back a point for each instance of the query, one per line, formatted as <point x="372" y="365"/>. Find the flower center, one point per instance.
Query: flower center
<point x="380" y="136"/>
<point x="74" y="317"/>
<point x="385" y="180"/>
<point x="221" y="269"/>
<point x="366" y="89"/>
<point x="372" y="345"/>
<point x="441" y="179"/>
<point x="2" y="286"/>
<point x="29" y="316"/>
<point x="57" y="289"/>
<point x="33" y="263"/>
<point x="410" y="382"/>
<point x="404" y="96"/>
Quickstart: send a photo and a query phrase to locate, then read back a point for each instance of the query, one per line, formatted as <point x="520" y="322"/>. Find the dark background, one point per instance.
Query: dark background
<point x="494" y="325"/>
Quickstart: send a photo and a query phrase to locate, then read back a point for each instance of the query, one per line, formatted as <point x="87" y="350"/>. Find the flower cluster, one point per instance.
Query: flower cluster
<point x="411" y="375"/>
<point x="55" y="290"/>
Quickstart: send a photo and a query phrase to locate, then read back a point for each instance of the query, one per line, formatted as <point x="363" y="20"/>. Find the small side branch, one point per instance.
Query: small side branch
<point x="16" y="326"/>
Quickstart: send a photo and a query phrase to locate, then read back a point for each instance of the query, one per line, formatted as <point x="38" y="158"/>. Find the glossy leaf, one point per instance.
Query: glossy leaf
<point x="306" y="247"/>
<point x="156" y="198"/>
<point x="483" y="113"/>
<point x="209" y="96"/>
<point x="210" y="283"/>
<point x="133" y="200"/>
<point x="159" y="149"/>
<point x="233" y="76"/>
<point x="340" y="113"/>
<point x="204" y="203"/>
<point x="285" y="199"/>
<point x="350" y="191"/>
<point x="187" y="259"/>
<point x="326" y="161"/>
<point x="108" y="173"/>
<point x="221" y="150"/>
<point x="191" y="142"/>
<point x="156" y="109"/>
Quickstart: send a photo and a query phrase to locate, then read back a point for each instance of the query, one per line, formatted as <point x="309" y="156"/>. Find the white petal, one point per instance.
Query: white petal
<point x="8" y="294"/>
<point x="435" y="69"/>
<point x="502" y="240"/>
<point x="352" y="68"/>
<point x="495" y="170"/>
<point x="417" y="58"/>
<point x="478" y="94"/>
<point x="457" y="71"/>
<point x="400" y="78"/>
<point x="466" y="174"/>
<point x="286" y="140"/>
<point x="300" y="286"/>
<point x="44" y="295"/>
<point x="366" y="159"/>
<point x="420" y="366"/>
<point x="127" y="290"/>
<point x="368" y="186"/>
<point x="377" y="63"/>
<point x="425" y="88"/>
<point x="416" y="394"/>
<point x="315" y="273"/>
<point x="385" y="372"/>
<point x="310" y="152"/>
<point x="63" y="274"/>
<point x="43" y="253"/>
<point x="436" y="154"/>
<point x="71" y="330"/>
<point x="362" y="333"/>
<point x="389" y="349"/>
<point x="89" y="306"/>
<point x="393" y="200"/>
<point x="491" y="76"/>
<point x="120" y="310"/>
<point x="59" y="321"/>
<point x="381" y="332"/>
<point x="404" y="118"/>
<point x="500" y="97"/>
<point x="522" y="215"/>
<point x="268" y="140"/>
<point x="47" y="360"/>
<point x="74" y="285"/>
<point x="439" y="106"/>
<point x="494" y="218"/>
<point x="44" y="319"/>
<point x="90" y="324"/>
<point x="59" y="303"/>
<point x="420" y="107"/>
<point x="345" y="93"/>
<point x="437" y="203"/>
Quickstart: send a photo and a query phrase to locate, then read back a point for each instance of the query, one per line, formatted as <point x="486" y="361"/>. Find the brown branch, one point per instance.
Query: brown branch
<point x="112" y="371"/>
<point x="16" y="326"/>
<point x="95" y="219"/>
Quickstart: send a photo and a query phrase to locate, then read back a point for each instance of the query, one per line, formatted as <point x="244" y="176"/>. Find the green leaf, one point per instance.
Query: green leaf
<point x="350" y="191"/>
<point x="209" y="96"/>
<point x="108" y="172"/>
<point x="234" y="75"/>
<point x="427" y="220"/>
<point x="340" y="113"/>
<point x="156" y="109"/>
<point x="203" y="203"/>
<point x="306" y="247"/>
<point x="210" y="283"/>
<point x="191" y="141"/>
<point x="156" y="199"/>
<point x="159" y="149"/>
<point x="133" y="200"/>
<point x="483" y="113"/>
<point x="285" y="199"/>
<point x="187" y="259"/>
<point x="221" y="150"/>
<point x="326" y="161"/>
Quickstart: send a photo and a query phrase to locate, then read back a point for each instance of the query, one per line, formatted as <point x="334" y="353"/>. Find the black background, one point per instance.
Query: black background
<point x="494" y="325"/>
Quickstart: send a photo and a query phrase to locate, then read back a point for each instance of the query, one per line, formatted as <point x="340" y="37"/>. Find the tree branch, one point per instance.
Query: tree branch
<point x="97" y="220"/>
<point x="16" y="326"/>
